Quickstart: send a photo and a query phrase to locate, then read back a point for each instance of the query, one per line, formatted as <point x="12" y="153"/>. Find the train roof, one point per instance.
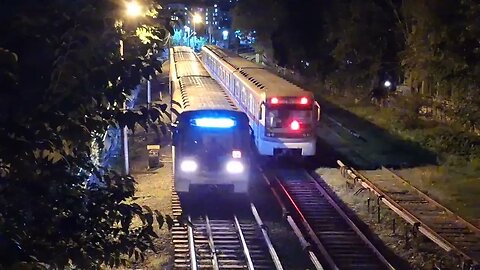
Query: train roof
<point x="202" y="93"/>
<point x="194" y="88"/>
<point x="272" y="84"/>
<point x="190" y="68"/>
<point x="233" y="59"/>
<point x="182" y="49"/>
<point x="263" y="79"/>
<point x="184" y="56"/>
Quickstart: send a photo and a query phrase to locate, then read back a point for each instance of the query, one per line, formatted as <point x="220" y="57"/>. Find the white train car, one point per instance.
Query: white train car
<point x="211" y="137"/>
<point x="283" y="116"/>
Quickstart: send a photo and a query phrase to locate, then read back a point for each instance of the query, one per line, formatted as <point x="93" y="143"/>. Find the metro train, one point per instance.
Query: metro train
<point x="211" y="137"/>
<point x="283" y="116"/>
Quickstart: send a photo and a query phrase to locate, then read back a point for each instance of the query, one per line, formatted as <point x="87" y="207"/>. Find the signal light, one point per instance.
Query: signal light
<point x="274" y="100"/>
<point x="303" y="100"/>
<point x="214" y="122"/>
<point x="236" y="154"/>
<point x="295" y="125"/>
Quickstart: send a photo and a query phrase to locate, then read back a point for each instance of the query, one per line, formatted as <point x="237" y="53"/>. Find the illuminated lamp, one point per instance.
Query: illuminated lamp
<point x="188" y="166"/>
<point x="236" y="154"/>
<point x="214" y="122"/>
<point x="295" y="125"/>
<point x="234" y="166"/>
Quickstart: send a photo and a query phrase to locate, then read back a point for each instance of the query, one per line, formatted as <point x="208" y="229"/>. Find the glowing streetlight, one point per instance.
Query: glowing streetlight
<point x="197" y="18"/>
<point x="387" y="83"/>
<point x="134" y="9"/>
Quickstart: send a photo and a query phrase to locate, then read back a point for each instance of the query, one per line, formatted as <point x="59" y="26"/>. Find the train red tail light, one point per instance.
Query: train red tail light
<point x="295" y="125"/>
<point x="304" y="100"/>
<point x="274" y="100"/>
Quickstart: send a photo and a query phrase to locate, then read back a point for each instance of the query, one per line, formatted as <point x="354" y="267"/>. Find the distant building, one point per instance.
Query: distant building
<point x="214" y="13"/>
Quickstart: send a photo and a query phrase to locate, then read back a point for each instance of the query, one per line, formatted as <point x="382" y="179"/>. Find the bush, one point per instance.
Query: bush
<point x="445" y="140"/>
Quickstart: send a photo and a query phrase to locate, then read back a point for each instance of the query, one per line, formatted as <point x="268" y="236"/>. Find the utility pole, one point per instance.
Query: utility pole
<point x="125" y="145"/>
<point x="126" y="168"/>
<point x="149" y="93"/>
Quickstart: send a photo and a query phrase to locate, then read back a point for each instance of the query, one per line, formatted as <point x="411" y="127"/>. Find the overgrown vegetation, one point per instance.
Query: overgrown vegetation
<point x="450" y="143"/>
<point x="352" y="45"/>
<point x="63" y="83"/>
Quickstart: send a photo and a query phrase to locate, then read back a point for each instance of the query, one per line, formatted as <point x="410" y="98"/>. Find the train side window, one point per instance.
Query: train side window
<point x="234" y="87"/>
<point x="244" y="97"/>
<point x="237" y="88"/>
<point x="251" y="104"/>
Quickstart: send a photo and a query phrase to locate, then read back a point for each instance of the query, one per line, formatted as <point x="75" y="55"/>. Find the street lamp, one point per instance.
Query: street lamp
<point x="196" y="19"/>
<point x="133" y="9"/>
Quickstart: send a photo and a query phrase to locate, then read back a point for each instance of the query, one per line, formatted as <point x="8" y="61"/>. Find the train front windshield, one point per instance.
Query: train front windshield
<point x="211" y="146"/>
<point x="282" y="118"/>
<point x="198" y="141"/>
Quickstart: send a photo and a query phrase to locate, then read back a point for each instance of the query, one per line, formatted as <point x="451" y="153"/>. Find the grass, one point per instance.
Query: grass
<point x="441" y="160"/>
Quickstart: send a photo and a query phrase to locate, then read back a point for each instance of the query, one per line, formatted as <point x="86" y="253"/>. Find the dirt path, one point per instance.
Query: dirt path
<point x="154" y="186"/>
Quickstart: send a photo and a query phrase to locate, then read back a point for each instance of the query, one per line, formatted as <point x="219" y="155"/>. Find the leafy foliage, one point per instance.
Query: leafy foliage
<point x="352" y="45"/>
<point x="63" y="83"/>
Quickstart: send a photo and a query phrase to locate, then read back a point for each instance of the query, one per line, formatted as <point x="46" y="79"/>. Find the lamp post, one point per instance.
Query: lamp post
<point x="133" y="10"/>
<point x="195" y="19"/>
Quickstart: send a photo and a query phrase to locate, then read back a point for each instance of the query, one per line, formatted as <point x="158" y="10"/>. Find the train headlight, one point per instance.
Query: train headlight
<point x="188" y="165"/>
<point x="234" y="166"/>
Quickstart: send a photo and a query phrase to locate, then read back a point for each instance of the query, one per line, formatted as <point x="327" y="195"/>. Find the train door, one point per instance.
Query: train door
<point x="260" y="128"/>
<point x="316" y="113"/>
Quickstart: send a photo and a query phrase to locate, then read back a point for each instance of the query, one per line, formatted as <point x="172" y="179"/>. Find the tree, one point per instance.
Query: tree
<point x="63" y="83"/>
<point x="263" y="17"/>
<point x="364" y="39"/>
<point x="442" y="55"/>
<point x="442" y="45"/>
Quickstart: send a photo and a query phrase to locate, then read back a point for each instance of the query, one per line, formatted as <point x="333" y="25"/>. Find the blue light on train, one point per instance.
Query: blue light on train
<point x="214" y="122"/>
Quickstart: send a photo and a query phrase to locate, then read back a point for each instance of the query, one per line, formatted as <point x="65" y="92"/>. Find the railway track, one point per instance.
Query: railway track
<point x="338" y="241"/>
<point x="436" y="222"/>
<point x="229" y="242"/>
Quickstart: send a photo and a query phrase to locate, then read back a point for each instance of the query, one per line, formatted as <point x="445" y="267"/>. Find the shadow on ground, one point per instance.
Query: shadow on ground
<point x="376" y="146"/>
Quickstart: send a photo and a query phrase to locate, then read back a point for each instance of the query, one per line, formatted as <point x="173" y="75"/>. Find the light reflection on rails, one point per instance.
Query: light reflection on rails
<point x="338" y="241"/>
<point x="229" y="243"/>
<point x="436" y="222"/>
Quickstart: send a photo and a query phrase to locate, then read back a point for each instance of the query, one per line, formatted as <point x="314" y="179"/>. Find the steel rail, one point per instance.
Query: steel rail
<point x="303" y="242"/>
<point x="271" y="249"/>
<point x="350" y="222"/>
<point x="191" y="244"/>
<point x="211" y="244"/>
<point x="336" y="259"/>
<point x="405" y="214"/>
<point x="244" y="244"/>
<point x="310" y="231"/>
<point x="468" y="224"/>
